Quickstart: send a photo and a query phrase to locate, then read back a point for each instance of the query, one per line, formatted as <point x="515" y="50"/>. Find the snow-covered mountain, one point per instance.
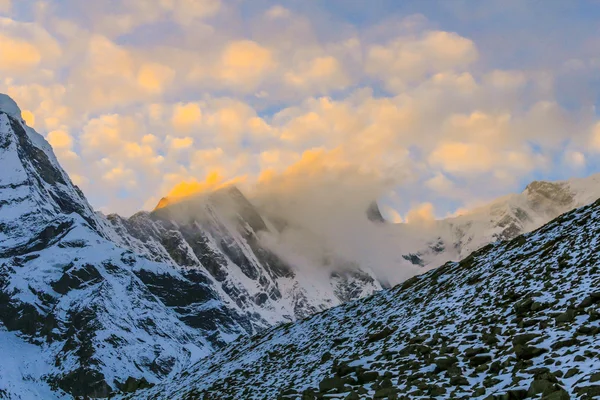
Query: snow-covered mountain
<point x="433" y="243"/>
<point x="514" y="320"/>
<point x="220" y="242"/>
<point x="73" y="299"/>
<point x="97" y="304"/>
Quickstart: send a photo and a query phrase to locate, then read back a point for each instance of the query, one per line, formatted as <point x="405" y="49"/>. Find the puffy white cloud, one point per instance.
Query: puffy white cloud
<point x="154" y="77"/>
<point x="180" y="143"/>
<point x="318" y="75"/>
<point x="25" y="46"/>
<point x="440" y="184"/>
<point x="60" y="140"/>
<point x="575" y="159"/>
<point x="408" y="59"/>
<point x="186" y="117"/>
<point x="421" y="214"/>
<point x="244" y="63"/>
<point x="278" y="98"/>
<point x="391" y="214"/>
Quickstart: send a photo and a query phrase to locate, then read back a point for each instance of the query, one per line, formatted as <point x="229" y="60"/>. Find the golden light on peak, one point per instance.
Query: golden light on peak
<point x="187" y="189"/>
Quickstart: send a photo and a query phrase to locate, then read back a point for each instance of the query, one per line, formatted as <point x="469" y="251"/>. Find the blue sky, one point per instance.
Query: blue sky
<point x="424" y="105"/>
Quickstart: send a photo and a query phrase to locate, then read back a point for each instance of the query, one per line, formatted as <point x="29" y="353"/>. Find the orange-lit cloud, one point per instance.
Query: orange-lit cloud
<point x="292" y="105"/>
<point x="421" y="214"/>
<point x="28" y="117"/>
<point x="60" y="140"/>
<point x="153" y="77"/>
<point x="16" y="54"/>
<point x="244" y="63"/>
<point x="407" y="59"/>
<point x="186" y="117"/>
<point x="187" y="189"/>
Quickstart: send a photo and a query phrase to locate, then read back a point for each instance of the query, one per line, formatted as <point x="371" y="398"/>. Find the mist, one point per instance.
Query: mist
<point x="324" y="215"/>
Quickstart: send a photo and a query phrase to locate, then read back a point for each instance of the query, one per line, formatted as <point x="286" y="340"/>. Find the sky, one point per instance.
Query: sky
<point x="429" y="107"/>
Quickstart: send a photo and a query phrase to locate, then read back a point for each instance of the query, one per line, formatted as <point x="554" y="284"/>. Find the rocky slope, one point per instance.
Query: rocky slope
<point x="516" y="319"/>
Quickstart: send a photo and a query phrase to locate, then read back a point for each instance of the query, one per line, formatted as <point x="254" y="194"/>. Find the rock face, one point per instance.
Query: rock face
<point x="514" y="320"/>
<point x="106" y="304"/>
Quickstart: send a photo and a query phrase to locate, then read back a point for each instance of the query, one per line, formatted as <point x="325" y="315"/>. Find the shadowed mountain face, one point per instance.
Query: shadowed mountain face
<point x="102" y="304"/>
<point x="514" y="320"/>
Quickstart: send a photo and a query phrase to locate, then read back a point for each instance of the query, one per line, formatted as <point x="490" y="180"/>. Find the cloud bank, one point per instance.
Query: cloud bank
<point x="312" y="113"/>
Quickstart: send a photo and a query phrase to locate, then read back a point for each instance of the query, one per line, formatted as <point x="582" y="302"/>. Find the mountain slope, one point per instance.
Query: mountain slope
<point x="431" y="244"/>
<point x="515" y="319"/>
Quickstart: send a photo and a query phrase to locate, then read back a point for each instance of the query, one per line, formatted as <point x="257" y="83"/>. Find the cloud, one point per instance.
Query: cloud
<point x="244" y="63"/>
<point x="17" y="54"/>
<point x="575" y="159"/>
<point x="421" y="214"/>
<point x="459" y="157"/>
<point x="505" y="79"/>
<point x="391" y="215"/>
<point x="319" y="75"/>
<point x="25" y="46"/>
<point x="154" y="77"/>
<point x="277" y="12"/>
<point x="180" y="143"/>
<point x="186" y="117"/>
<point x="109" y="133"/>
<point x="186" y="12"/>
<point x="5" y="6"/>
<point x="28" y="117"/>
<point x="60" y="140"/>
<point x="440" y="184"/>
<point x="173" y="91"/>
<point x="407" y="59"/>
<point x="594" y="139"/>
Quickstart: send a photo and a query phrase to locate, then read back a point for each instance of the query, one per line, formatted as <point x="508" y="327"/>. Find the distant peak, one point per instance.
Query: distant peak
<point x="230" y="191"/>
<point x="374" y="214"/>
<point x="10" y="106"/>
<point x="162" y="203"/>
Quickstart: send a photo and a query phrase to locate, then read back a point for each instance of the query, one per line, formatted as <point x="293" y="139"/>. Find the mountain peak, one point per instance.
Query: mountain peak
<point x="9" y="106"/>
<point x="374" y="214"/>
<point x="162" y="203"/>
<point x="230" y="191"/>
